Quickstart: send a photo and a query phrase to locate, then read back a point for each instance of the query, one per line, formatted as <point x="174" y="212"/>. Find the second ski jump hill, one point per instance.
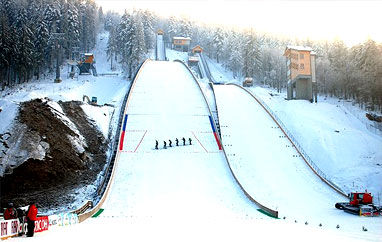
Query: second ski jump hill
<point x="271" y="169"/>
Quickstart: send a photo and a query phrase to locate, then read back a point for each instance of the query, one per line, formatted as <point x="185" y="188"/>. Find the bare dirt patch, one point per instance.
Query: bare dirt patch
<point x="64" y="167"/>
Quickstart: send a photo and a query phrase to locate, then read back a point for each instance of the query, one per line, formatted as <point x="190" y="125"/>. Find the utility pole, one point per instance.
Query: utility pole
<point x="57" y="62"/>
<point x="57" y="38"/>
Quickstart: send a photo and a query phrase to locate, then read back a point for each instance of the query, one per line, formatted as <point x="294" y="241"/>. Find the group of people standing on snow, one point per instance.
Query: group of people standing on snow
<point x="31" y="216"/>
<point x="170" y="143"/>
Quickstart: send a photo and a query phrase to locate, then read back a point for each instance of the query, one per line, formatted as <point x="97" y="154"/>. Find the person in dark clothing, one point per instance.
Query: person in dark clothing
<point x="156" y="144"/>
<point x="184" y="141"/>
<point x="20" y="215"/>
<point x="169" y="143"/>
<point x="164" y="145"/>
<point x="189" y="140"/>
<point x="31" y="218"/>
<point x="10" y="212"/>
<point x="177" y="142"/>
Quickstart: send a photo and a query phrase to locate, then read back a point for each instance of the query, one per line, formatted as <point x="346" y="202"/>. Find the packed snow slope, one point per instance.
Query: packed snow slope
<point x="180" y="181"/>
<point x="271" y="170"/>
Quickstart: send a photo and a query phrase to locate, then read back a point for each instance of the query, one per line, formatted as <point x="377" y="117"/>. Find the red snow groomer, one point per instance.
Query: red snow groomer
<point x="361" y="203"/>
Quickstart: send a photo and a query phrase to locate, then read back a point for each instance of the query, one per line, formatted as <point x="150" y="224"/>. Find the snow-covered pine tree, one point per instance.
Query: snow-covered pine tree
<point x="235" y="58"/>
<point x="173" y="29"/>
<point x="73" y="29"/>
<point x="100" y="18"/>
<point x="7" y="41"/>
<point x="138" y="43"/>
<point x="111" y="18"/>
<point x="112" y="46"/>
<point x="52" y="16"/>
<point x="218" y="42"/>
<point x="185" y="27"/>
<point x="249" y="52"/>
<point x="338" y="56"/>
<point x="25" y="47"/>
<point x="10" y="10"/>
<point x="41" y="45"/>
<point x="369" y="62"/>
<point x="88" y="12"/>
<point x="123" y="39"/>
<point x="147" y="18"/>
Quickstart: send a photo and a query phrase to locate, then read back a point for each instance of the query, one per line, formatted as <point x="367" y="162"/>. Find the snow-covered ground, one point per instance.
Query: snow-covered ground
<point x="219" y="73"/>
<point x="187" y="193"/>
<point x="180" y="193"/>
<point x="327" y="130"/>
<point x="335" y="135"/>
<point x="271" y="170"/>
<point x="335" y="139"/>
<point x="149" y="229"/>
<point x="181" y="182"/>
<point x="176" y="55"/>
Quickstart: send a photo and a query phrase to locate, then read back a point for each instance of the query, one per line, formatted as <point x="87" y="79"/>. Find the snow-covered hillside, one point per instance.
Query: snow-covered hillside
<point x="332" y="134"/>
<point x="335" y="139"/>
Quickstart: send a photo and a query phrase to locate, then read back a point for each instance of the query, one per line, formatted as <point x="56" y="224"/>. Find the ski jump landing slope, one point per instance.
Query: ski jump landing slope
<point x="270" y="169"/>
<point x="178" y="183"/>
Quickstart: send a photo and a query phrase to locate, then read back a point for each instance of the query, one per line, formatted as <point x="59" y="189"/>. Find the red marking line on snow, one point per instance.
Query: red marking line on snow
<point x="140" y="141"/>
<point x="199" y="141"/>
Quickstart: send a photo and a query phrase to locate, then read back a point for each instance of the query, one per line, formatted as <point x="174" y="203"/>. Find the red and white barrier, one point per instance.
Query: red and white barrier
<point x="41" y="224"/>
<point x="9" y="228"/>
<point x="13" y="227"/>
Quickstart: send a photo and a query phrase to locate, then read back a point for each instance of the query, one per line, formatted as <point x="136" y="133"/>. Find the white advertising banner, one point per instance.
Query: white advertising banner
<point x="9" y="228"/>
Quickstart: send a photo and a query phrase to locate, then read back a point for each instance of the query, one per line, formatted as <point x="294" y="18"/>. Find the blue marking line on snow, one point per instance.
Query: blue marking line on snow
<point x="212" y="124"/>
<point x="124" y="123"/>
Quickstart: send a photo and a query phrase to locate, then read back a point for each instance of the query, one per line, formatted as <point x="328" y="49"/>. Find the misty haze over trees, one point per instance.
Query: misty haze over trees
<point x="28" y="41"/>
<point x="351" y="73"/>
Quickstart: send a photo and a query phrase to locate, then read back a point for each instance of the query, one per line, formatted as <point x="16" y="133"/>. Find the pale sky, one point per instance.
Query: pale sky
<point x="351" y="21"/>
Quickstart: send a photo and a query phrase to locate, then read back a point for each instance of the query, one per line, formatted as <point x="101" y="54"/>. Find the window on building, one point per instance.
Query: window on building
<point x="301" y="56"/>
<point x="301" y="66"/>
<point x="294" y="66"/>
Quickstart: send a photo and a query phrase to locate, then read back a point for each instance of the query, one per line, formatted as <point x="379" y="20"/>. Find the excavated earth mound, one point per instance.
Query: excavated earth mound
<point x="59" y="150"/>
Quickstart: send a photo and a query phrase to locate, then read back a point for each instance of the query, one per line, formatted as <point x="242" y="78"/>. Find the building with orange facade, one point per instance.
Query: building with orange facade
<point x="301" y="72"/>
<point x="197" y="49"/>
<point x="181" y="43"/>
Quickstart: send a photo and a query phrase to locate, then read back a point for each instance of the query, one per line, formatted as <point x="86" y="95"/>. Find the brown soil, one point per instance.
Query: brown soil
<point x="51" y="181"/>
